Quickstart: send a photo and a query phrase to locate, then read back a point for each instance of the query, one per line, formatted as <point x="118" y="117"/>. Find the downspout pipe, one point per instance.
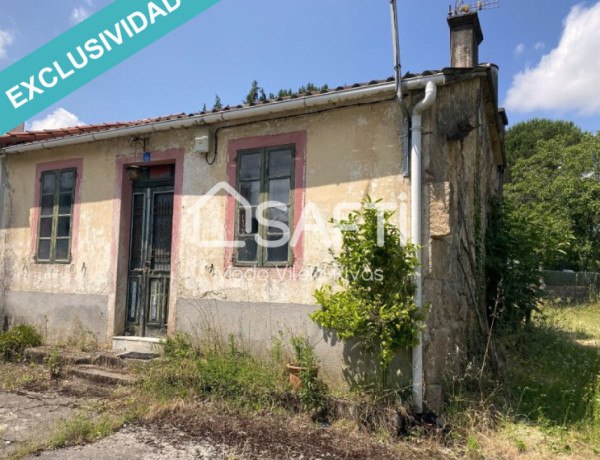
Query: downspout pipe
<point x="416" y="229"/>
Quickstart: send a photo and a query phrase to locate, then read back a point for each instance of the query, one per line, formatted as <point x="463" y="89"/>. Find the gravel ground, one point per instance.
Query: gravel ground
<point x="200" y="430"/>
<point x="140" y="443"/>
<point x="23" y="416"/>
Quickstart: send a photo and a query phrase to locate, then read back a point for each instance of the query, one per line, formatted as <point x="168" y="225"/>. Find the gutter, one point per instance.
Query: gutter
<point x="339" y="98"/>
<point x="265" y="111"/>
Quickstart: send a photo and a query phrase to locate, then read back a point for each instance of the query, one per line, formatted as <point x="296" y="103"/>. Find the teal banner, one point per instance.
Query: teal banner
<point x="89" y="49"/>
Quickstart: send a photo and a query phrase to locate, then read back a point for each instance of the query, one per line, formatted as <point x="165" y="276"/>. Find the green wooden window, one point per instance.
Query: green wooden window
<point x="263" y="175"/>
<point x="56" y="216"/>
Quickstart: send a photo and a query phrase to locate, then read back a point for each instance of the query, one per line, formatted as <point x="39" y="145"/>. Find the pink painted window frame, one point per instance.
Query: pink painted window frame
<point x="297" y="138"/>
<point x="40" y="168"/>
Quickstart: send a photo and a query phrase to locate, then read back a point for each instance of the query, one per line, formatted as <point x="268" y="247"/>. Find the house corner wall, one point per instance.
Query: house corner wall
<point x="460" y="176"/>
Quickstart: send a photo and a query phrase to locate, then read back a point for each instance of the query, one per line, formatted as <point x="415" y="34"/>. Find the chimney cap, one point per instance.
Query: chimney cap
<point x="466" y="21"/>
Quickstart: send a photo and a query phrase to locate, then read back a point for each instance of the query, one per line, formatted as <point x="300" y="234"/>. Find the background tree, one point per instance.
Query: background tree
<point x="218" y="105"/>
<point x="522" y="138"/>
<point x="255" y="94"/>
<point x="554" y="186"/>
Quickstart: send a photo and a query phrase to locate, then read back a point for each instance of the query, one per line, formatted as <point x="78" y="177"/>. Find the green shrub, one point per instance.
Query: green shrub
<point x="14" y="342"/>
<point x="512" y="271"/>
<point x="304" y="354"/>
<point x="179" y="346"/>
<point x="374" y="300"/>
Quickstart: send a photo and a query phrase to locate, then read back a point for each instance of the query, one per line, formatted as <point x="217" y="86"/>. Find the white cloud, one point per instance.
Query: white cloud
<point x="519" y="49"/>
<point x="539" y="46"/>
<point x="80" y="13"/>
<point x="567" y="77"/>
<point x="6" y="39"/>
<point x="60" y="118"/>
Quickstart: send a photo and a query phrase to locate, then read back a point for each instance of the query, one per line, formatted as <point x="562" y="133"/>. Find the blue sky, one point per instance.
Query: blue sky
<point x="548" y="46"/>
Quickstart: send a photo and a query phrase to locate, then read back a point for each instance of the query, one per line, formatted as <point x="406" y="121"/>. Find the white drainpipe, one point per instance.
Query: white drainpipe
<point x="416" y="230"/>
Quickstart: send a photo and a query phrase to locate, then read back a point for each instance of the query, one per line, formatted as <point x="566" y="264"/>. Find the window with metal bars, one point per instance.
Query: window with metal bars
<point x="57" y="191"/>
<point x="265" y="175"/>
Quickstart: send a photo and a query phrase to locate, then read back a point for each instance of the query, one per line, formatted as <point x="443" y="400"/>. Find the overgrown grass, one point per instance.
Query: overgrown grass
<point x="83" y="428"/>
<point x="554" y="374"/>
<point x="548" y="402"/>
<point x="222" y="371"/>
<point x="16" y="376"/>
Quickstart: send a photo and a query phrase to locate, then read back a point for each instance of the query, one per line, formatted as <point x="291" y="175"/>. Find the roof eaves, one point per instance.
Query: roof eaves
<point x="104" y="131"/>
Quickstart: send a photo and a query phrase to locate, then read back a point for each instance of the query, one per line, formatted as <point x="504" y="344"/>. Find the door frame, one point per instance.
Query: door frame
<point x="145" y="273"/>
<point x="121" y="230"/>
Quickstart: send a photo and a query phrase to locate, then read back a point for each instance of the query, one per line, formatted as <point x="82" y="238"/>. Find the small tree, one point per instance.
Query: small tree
<point x="255" y="94"/>
<point x="374" y="300"/>
<point x="511" y="266"/>
<point x="218" y="105"/>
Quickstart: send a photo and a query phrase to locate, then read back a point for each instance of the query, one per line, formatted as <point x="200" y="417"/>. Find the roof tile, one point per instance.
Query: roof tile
<point x="35" y="136"/>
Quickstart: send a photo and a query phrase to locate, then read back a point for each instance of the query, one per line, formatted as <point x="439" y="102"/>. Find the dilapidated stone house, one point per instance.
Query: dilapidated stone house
<point x="82" y="245"/>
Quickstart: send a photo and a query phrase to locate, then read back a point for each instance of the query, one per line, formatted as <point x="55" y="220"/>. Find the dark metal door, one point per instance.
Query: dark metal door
<point x="150" y="261"/>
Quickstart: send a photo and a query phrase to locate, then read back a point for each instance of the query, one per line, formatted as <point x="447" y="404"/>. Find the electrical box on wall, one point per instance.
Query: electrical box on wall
<point x="202" y="140"/>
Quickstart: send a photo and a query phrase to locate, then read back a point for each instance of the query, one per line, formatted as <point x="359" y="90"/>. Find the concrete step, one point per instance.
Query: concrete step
<point x="65" y="357"/>
<point x="126" y="344"/>
<point x="102" y="375"/>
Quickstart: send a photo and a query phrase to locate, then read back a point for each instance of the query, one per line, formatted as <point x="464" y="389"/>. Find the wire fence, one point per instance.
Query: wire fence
<point x="571" y="287"/>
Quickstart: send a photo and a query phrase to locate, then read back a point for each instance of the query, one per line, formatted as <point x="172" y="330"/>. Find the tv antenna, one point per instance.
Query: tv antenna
<point x="460" y="7"/>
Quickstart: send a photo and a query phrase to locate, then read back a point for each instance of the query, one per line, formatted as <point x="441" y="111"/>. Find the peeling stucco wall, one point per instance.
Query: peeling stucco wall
<point x="351" y="153"/>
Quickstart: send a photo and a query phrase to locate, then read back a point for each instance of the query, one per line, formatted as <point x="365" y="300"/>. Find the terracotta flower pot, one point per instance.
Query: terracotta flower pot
<point x="295" y="379"/>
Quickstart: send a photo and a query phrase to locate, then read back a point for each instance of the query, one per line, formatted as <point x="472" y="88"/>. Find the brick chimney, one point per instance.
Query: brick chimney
<point x="465" y="37"/>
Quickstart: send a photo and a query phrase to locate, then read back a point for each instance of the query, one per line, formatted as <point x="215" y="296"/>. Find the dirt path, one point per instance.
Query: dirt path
<point x="195" y="430"/>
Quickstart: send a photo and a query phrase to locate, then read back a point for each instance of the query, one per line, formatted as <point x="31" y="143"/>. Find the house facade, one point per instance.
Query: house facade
<point x="178" y="248"/>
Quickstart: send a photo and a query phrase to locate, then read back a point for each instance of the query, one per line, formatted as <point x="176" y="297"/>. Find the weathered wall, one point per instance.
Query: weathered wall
<point x="35" y="291"/>
<point x="571" y="287"/>
<point x="59" y="316"/>
<point x="351" y="153"/>
<point x="3" y="236"/>
<point x="460" y="176"/>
